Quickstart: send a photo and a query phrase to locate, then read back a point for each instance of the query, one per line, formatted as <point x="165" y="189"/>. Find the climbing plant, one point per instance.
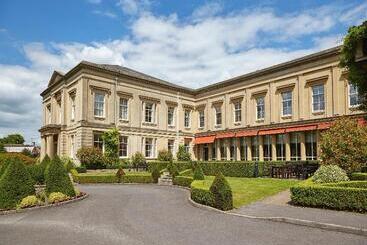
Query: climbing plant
<point x="111" y="144"/>
<point x="357" y="74"/>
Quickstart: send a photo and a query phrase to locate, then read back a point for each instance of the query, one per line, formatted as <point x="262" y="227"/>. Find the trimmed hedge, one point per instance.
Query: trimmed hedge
<point x="112" y="178"/>
<point x="15" y="184"/>
<point x="222" y="193"/>
<point x="26" y="160"/>
<point x="162" y="165"/>
<point x="37" y="171"/>
<point x="202" y="196"/>
<point x="198" y="173"/>
<point x="340" y="196"/>
<point x="187" y="172"/>
<point x="57" y="179"/>
<point x="183" y="181"/>
<point x="358" y="176"/>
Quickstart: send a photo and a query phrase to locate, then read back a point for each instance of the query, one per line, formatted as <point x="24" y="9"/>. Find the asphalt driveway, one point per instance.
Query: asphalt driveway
<point x="149" y="214"/>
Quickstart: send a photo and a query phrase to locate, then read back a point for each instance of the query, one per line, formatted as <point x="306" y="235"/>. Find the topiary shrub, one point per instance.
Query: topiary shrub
<point x="15" y="184"/>
<point x="182" y="154"/>
<point x="67" y="162"/>
<point x="222" y="193"/>
<point x="56" y="197"/>
<point x="172" y="169"/>
<point x="57" y="179"/>
<point x="198" y="173"/>
<point x="91" y="158"/>
<point x="29" y="201"/>
<point x="165" y="156"/>
<point x="37" y="171"/>
<point x="155" y="174"/>
<point x="138" y="160"/>
<point x="11" y="155"/>
<point x="329" y="174"/>
<point x="119" y="174"/>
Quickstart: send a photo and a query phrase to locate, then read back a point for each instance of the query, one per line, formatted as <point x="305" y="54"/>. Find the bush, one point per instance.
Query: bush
<point x="91" y="158"/>
<point x="81" y="169"/>
<point x="358" y="176"/>
<point x="187" y="172"/>
<point x="340" y="196"/>
<point x="202" y="196"/>
<point x="29" y="201"/>
<point x="198" y="173"/>
<point x="10" y="155"/>
<point x="119" y="174"/>
<point x="111" y="145"/>
<point x="162" y="165"/>
<point x="112" y="178"/>
<point x="27" y="152"/>
<point x="138" y="160"/>
<point x="155" y="174"/>
<point x="165" y="155"/>
<point x="56" y="197"/>
<point x="345" y="145"/>
<point x="15" y="184"/>
<point x="222" y="193"/>
<point x="172" y="169"/>
<point x="37" y="171"/>
<point x="67" y="162"/>
<point x="183" y="181"/>
<point x="57" y="179"/>
<point x="182" y="155"/>
<point x="329" y="174"/>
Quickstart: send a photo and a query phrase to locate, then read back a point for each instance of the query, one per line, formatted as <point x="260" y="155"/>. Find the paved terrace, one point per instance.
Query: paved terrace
<point x="150" y="214"/>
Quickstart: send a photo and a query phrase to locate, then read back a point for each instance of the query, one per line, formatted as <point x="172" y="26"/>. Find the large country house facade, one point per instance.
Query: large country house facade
<point x="272" y="114"/>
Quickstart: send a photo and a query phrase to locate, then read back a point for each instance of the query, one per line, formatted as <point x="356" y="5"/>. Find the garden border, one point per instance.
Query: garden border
<point x="23" y="210"/>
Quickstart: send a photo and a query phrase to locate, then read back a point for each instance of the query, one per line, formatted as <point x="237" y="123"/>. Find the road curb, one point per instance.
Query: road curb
<point x="13" y="211"/>
<point x="301" y="222"/>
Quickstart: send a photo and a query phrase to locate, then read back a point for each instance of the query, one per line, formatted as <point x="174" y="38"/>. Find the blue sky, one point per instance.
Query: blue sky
<point x="193" y="43"/>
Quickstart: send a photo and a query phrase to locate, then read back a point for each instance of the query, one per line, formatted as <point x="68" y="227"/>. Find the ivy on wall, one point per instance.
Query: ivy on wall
<point x="357" y="74"/>
<point x="111" y="143"/>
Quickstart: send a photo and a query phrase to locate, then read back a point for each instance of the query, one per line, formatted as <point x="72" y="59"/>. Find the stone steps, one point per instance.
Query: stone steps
<point x="165" y="179"/>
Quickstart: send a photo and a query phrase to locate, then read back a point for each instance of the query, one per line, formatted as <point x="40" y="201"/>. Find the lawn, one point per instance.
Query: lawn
<point x="247" y="190"/>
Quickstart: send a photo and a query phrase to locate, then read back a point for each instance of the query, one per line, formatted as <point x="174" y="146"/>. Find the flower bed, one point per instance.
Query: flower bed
<point x="350" y="195"/>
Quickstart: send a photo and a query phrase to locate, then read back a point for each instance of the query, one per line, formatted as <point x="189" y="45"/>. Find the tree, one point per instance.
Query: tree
<point x="357" y="74"/>
<point x="345" y="145"/>
<point x="15" y="184"/>
<point x="27" y="152"/>
<point x="198" y="172"/>
<point x="111" y="139"/>
<point x="182" y="154"/>
<point x="57" y="179"/>
<point x="222" y="193"/>
<point x="2" y="148"/>
<point x="13" y="139"/>
<point x="165" y="156"/>
<point x="138" y="160"/>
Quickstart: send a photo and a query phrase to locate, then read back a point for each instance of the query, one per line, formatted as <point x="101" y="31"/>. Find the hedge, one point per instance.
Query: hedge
<point x="183" y="181"/>
<point x="26" y="160"/>
<point x="358" y="176"/>
<point x="112" y="178"/>
<point x="202" y="196"/>
<point x="162" y="165"/>
<point x="341" y="196"/>
<point x="187" y="172"/>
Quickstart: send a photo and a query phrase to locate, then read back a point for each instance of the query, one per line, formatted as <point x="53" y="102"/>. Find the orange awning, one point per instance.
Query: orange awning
<point x="204" y="140"/>
<point x="225" y="135"/>
<point x="272" y="131"/>
<point x="323" y="125"/>
<point x="301" y="128"/>
<point x="246" y="133"/>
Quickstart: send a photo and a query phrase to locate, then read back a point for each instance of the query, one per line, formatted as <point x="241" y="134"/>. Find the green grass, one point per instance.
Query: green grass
<point x="248" y="190"/>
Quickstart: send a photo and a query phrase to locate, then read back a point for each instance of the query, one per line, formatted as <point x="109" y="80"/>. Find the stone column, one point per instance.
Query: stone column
<point x="210" y="149"/>
<point x="50" y="146"/>
<point x="260" y="147"/>
<point x="43" y="147"/>
<point x="287" y="147"/>
<point x="219" y="157"/>
<point x="274" y="147"/>
<point x="238" y="149"/>
<point x="228" y="149"/>
<point x="318" y="149"/>
<point x="249" y="153"/>
<point x="302" y="138"/>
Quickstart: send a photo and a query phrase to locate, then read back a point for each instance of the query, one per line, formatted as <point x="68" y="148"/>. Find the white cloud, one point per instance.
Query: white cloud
<point x="190" y="53"/>
<point x="207" y="10"/>
<point x="105" y="13"/>
<point x="134" y="7"/>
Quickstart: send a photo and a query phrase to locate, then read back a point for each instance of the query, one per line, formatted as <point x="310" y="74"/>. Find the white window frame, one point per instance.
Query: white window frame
<point x="287" y="103"/>
<point x="260" y="106"/>
<point x="187" y="118"/>
<point x="237" y="112"/>
<point x="152" y="149"/>
<point x="171" y="113"/>
<point x="125" y="143"/>
<point x="350" y="86"/>
<point x="201" y="119"/>
<point x="103" y="108"/>
<point x="123" y="109"/>
<point x="218" y="110"/>
<point x="321" y="100"/>
<point x="100" y="136"/>
<point x="152" y="112"/>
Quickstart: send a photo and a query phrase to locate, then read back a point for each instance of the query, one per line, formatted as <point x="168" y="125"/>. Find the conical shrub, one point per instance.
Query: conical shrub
<point x="37" y="171"/>
<point x="15" y="184"/>
<point x="198" y="173"/>
<point x="57" y="179"/>
<point x="222" y="193"/>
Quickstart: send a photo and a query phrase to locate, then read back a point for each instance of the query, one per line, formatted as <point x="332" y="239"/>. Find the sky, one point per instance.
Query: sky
<point x="192" y="42"/>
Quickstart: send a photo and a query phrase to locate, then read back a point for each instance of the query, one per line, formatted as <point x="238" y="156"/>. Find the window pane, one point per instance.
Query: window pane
<point x="287" y="103"/>
<point x="260" y="108"/>
<point x="123" y="146"/>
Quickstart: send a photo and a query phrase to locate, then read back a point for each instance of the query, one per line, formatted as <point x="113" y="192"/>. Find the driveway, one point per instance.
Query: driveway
<point x="149" y="214"/>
